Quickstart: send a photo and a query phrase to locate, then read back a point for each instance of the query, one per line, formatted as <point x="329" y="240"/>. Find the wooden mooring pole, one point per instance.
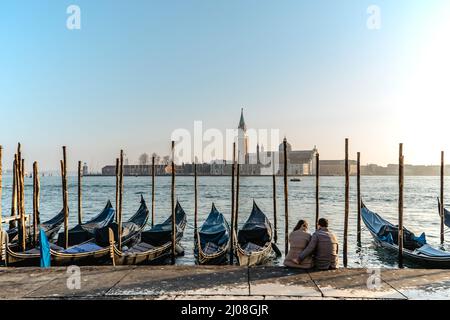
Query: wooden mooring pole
<point x="174" y="231"/>
<point x="18" y="203"/>
<point x="441" y="209"/>
<point x="120" y="199"/>
<point x="66" y="240"/>
<point x="232" y="205"/>
<point x="22" y="203"/>
<point x="36" y="202"/>
<point x="117" y="188"/>
<point x="195" y="200"/>
<point x="400" y="205"/>
<point x="23" y="226"/>
<point x="358" y="198"/>
<point x="65" y="197"/>
<point x="80" y="206"/>
<point x="274" y="198"/>
<point x="12" y="223"/>
<point x="20" y="194"/>
<point x="347" y="205"/>
<point x="286" y="204"/>
<point x="34" y="237"/>
<point x="317" y="189"/>
<point x="236" y="210"/>
<point x="153" y="191"/>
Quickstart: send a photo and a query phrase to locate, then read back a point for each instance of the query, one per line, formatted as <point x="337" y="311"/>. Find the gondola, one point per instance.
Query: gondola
<point x="212" y="241"/>
<point x="155" y="244"/>
<point x="51" y="228"/>
<point x="415" y="248"/>
<point x="91" y="252"/>
<point x="86" y="231"/>
<point x="446" y="214"/>
<point x="254" y="245"/>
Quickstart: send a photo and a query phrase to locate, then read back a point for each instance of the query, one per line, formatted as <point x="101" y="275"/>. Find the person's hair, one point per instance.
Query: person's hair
<point x="323" y="222"/>
<point x="300" y="224"/>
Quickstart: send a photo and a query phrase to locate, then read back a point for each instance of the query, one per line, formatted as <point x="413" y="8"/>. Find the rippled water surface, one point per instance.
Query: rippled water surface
<point x="379" y="194"/>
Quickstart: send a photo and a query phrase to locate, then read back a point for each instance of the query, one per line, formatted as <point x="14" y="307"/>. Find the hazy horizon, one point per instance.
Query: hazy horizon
<point x="136" y="72"/>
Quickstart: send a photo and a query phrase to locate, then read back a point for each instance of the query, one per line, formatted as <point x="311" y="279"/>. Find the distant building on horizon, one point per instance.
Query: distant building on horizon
<point x="85" y="169"/>
<point x="336" y="167"/>
<point x="300" y="163"/>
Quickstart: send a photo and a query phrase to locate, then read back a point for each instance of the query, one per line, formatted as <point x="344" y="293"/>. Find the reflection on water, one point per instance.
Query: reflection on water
<point x="379" y="194"/>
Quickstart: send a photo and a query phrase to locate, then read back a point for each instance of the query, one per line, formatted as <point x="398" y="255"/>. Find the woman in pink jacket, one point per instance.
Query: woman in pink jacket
<point x="298" y="241"/>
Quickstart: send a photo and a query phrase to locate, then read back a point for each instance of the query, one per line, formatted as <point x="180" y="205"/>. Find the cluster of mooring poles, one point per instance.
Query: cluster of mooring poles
<point x="18" y="217"/>
<point x="29" y="234"/>
<point x="358" y="196"/>
<point x="401" y="176"/>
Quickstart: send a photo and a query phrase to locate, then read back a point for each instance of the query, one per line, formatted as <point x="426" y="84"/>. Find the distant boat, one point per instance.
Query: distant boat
<point x="296" y="180"/>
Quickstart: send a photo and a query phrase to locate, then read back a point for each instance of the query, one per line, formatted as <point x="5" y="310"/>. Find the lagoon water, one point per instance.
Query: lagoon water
<point x="379" y="194"/>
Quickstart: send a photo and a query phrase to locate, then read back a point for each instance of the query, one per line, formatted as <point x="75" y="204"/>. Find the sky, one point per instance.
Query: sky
<point x="138" y="70"/>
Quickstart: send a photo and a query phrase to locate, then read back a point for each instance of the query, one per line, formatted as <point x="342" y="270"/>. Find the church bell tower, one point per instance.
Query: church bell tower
<point x="242" y="140"/>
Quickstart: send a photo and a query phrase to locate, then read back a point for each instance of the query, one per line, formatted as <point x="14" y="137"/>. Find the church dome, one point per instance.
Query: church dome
<point x="288" y="147"/>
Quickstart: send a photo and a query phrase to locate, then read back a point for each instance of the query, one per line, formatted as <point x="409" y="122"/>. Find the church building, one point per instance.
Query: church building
<point x="300" y="162"/>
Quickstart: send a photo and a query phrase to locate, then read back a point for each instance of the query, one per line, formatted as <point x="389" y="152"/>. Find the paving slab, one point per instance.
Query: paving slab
<point x="184" y="280"/>
<point x="147" y="297"/>
<point x="16" y="283"/>
<point x="94" y="282"/>
<point x="352" y="283"/>
<point x="423" y="284"/>
<point x="287" y="298"/>
<point x="278" y="281"/>
<point x="218" y="297"/>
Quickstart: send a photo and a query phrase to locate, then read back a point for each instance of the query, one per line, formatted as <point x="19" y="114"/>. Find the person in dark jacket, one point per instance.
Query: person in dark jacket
<point x="323" y="247"/>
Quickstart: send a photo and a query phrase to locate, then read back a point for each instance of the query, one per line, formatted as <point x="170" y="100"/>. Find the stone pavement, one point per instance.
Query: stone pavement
<point x="221" y="282"/>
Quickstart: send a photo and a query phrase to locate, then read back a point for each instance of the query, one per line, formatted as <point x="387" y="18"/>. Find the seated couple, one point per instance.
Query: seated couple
<point x="318" y="251"/>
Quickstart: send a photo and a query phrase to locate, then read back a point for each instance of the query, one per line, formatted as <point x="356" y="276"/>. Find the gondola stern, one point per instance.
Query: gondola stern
<point x="255" y="207"/>
<point x="362" y="204"/>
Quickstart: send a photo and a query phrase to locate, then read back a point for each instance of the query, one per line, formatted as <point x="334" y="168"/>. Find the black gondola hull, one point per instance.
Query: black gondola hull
<point x="424" y="256"/>
<point x="99" y="256"/>
<point x="212" y="241"/>
<point x="254" y="245"/>
<point x="155" y="245"/>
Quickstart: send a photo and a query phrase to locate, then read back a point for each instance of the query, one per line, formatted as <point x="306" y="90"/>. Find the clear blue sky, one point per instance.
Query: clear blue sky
<point x="137" y="70"/>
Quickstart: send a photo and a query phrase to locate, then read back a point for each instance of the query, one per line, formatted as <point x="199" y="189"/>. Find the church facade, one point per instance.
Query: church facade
<point x="299" y="162"/>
